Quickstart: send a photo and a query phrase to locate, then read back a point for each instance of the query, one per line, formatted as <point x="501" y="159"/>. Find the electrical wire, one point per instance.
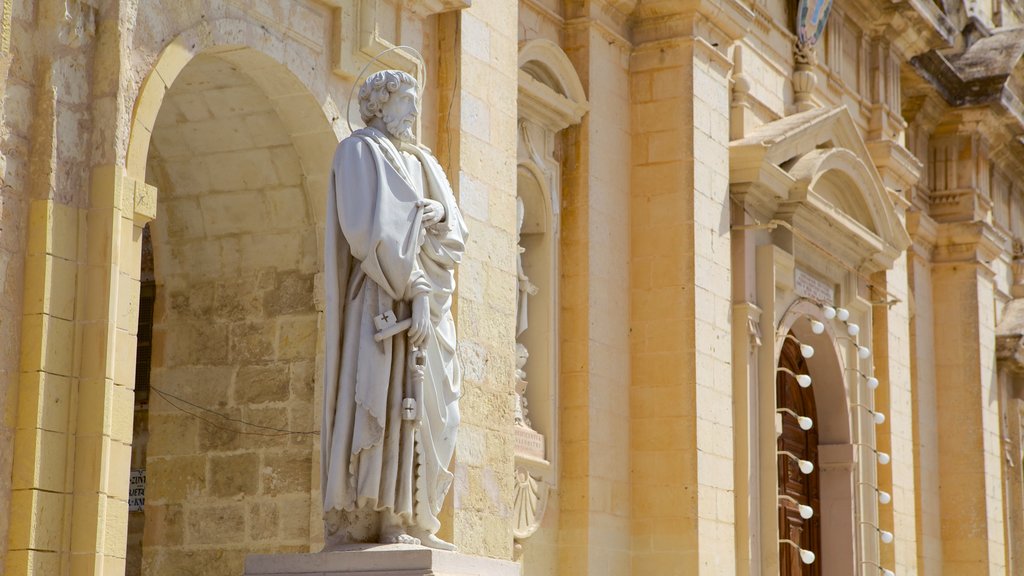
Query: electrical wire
<point x="272" y="431"/>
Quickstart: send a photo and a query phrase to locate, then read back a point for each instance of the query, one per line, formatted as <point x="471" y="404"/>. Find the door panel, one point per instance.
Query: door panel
<point x="803" y="488"/>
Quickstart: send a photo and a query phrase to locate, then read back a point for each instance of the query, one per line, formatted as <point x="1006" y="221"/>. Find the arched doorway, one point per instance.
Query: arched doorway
<point x="230" y="420"/>
<point x="795" y="487"/>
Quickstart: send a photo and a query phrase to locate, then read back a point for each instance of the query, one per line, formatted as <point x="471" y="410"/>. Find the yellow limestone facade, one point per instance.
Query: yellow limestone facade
<point x="677" y="192"/>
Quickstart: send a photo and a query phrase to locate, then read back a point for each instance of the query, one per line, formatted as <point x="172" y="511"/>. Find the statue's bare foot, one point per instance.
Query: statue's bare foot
<point x="398" y="538"/>
<point x="431" y="541"/>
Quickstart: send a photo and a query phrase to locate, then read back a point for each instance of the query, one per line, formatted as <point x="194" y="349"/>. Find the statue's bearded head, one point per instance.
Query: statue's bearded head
<point x="391" y="96"/>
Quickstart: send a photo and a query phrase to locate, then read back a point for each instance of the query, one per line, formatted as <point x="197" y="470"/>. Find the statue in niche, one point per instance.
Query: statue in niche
<point x="525" y="289"/>
<point x="523" y="284"/>
<point x="392" y="379"/>
<point x="522" y="413"/>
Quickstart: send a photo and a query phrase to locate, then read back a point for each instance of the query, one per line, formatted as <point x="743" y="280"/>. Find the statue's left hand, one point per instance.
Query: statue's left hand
<point x="433" y="212"/>
<point x="420" y="327"/>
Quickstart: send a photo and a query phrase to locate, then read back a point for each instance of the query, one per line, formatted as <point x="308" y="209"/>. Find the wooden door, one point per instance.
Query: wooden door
<point x="803" y="488"/>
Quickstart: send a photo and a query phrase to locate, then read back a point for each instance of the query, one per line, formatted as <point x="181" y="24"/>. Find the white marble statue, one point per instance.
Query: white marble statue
<point x="524" y="287"/>
<point x="394" y="236"/>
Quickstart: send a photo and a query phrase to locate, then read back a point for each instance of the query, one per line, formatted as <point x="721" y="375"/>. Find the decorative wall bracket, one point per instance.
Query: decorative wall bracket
<point x="531" y="497"/>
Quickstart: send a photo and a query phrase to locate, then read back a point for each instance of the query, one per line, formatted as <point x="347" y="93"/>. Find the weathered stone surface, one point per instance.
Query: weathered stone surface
<point x="175" y="479"/>
<point x="264" y="521"/>
<point x="234" y="475"/>
<point x="293" y="293"/>
<point x="165" y="525"/>
<point x="252" y="341"/>
<point x="257" y="384"/>
<point x="296" y="338"/>
<point x="286" y="473"/>
<point x="219" y="524"/>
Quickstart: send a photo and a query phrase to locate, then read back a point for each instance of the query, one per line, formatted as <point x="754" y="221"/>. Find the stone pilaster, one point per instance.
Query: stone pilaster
<point x="683" y="493"/>
<point x="967" y="403"/>
<point x="923" y="231"/>
<point x="892" y="358"/>
<point x="594" y="493"/>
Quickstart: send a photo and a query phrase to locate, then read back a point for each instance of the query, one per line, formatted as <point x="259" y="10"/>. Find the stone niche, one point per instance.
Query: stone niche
<point x="551" y="99"/>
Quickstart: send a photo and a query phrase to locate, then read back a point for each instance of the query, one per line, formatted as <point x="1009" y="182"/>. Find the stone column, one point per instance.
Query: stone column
<point x="682" y="411"/>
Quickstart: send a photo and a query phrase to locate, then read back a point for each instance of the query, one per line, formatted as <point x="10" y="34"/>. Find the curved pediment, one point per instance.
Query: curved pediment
<point x="549" y="87"/>
<point x="816" y="162"/>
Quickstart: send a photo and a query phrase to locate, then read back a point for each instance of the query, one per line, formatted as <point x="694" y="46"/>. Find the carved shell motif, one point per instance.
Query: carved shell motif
<point x="531" y="497"/>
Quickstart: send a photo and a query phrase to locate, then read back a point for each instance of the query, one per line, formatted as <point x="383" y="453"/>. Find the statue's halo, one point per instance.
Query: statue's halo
<point x="421" y="78"/>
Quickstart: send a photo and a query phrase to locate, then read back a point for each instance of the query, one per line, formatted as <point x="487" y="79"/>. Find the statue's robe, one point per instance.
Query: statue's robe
<point x="373" y="262"/>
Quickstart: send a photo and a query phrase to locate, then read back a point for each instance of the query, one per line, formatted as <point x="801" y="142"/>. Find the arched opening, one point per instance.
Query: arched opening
<point x="831" y="443"/>
<point x="796" y="488"/>
<point x="229" y="424"/>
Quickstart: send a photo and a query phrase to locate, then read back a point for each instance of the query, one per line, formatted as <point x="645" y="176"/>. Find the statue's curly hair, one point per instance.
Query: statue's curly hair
<point x="376" y="90"/>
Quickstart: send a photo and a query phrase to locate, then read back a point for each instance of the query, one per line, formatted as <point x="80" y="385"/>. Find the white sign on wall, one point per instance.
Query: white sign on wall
<point x="813" y="288"/>
<point x="137" y="490"/>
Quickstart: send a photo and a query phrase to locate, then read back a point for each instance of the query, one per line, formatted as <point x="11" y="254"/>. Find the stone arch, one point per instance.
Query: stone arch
<point x="549" y="87"/>
<point x="302" y="99"/>
<point x="533" y="188"/>
<point x="547" y="63"/>
<point x="834" y="174"/>
<point x="835" y="435"/>
<point x="238" y="143"/>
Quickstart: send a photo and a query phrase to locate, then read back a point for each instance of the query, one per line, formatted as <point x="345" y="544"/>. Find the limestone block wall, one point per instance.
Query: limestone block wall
<point x="479" y="136"/>
<point x="235" y="329"/>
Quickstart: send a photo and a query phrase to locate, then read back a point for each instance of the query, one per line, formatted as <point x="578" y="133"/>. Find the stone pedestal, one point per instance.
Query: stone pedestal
<point x="378" y="560"/>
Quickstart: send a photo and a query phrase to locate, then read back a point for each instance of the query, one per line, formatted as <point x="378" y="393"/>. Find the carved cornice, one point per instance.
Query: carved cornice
<point x="975" y="242"/>
<point x="978" y="74"/>
<point x="611" y="17"/>
<point x="924" y="232"/>
<point x="656" y="20"/>
<point x="431" y="7"/>
<point x="756" y="168"/>
<point x="923" y="108"/>
<point x="913" y="26"/>
<point x="1010" y="336"/>
<point x="983" y="85"/>
<point x="899" y="168"/>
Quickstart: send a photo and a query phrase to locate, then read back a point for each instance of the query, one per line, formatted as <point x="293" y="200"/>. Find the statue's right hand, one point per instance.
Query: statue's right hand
<point x="420" y="327"/>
